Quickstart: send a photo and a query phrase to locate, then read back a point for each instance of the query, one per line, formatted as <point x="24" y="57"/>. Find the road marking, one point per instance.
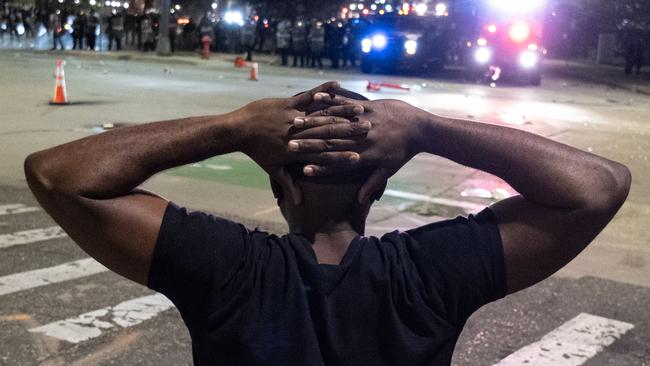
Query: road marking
<point x="471" y="207"/>
<point x="267" y="211"/>
<point x="92" y="324"/>
<point x="31" y="236"/>
<point x="47" y="276"/>
<point x="571" y="344"/>
<point x="15" y="317"/>
<point x="16" y="208"/>
<point x="212" y="166"/>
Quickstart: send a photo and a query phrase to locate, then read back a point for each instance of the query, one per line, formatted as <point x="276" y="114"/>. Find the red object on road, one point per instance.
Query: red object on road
<point x="206" y="41"/>
<point x="376" y="86"/>
<point x="60" y="92"/>
<point x="240" y="62"/>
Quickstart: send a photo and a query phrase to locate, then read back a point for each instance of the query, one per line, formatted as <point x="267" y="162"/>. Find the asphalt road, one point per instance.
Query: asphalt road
<point x="59" y="308"/>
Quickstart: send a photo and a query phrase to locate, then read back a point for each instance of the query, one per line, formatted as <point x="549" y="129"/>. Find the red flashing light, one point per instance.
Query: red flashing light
<point x="519" y="32"/>
<point x="366" y="11"/>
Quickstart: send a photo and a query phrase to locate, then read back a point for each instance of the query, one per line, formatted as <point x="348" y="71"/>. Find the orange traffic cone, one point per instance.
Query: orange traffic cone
<point x="253" y="73"/>
<point x="239" y="62"/>
<point x="60" y="93"/>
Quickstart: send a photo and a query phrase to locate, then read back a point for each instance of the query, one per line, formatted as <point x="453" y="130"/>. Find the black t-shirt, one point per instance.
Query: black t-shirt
<point x="252" y="298"/>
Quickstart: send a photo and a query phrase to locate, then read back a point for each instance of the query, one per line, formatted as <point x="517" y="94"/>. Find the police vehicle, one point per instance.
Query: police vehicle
<point x="394" y="42"/>
<point x="507" y="41"/>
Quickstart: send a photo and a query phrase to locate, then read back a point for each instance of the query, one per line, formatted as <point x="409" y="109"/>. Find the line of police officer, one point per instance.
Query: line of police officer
<point x="309" y="42"/>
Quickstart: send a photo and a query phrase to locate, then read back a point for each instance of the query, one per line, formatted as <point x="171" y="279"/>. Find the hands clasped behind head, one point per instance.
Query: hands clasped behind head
<point x="385" y="136"/>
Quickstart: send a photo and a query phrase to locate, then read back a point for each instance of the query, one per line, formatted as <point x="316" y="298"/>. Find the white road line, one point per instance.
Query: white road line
<point x="92" y="324"/>
<point x="571" y="344"/>
<point x="267" y="211"/>
<point x="16" y="208"/>
<point x="471" y="207"/>
<point x="31" y="236"/>
<point x="47" y="276"/>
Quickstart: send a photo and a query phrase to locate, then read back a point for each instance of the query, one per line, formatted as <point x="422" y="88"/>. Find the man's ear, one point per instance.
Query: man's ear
<point x="281" y="181"/>
<point x="379" y="192"/>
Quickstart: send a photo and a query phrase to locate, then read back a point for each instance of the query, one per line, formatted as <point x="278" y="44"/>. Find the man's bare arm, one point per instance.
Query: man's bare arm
<point x="567" y="195"/>
<point x="89" y="186"/>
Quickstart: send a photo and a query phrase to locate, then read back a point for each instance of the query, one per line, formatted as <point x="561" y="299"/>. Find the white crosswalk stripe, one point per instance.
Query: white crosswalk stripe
<point x="31" y="236"/>
<point x="92" y="324"/>
<point x="571" y="344"/>
<point x="47" y="276"/>
<point x="16" y="208"/>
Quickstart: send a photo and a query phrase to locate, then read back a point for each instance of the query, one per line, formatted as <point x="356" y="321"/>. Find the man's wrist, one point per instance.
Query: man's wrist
<point x="237" y="126"/>
<point x="428" y="131"/>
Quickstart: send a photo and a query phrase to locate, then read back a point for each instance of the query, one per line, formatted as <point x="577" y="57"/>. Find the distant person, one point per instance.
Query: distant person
<point x="28" y="22"/>
<point x="299" y="43"/>
<point x="283" y="40"/>
<point x="326" y="294"/>
<point x="57" y="32"/>
<point x="12" y="24"/>
<point x="148" y="35"/>
<point x="349" y="46"/>
<point x="189" y="35"/>
<point x="261" y="28"/>
<point x="248" y="38"/>
<point x="79" y="31"/>
<point x="173" y="31"/>
<point x="333" y="41"/>
<point x="316" y="38"/>
<point x="116" y="30"/>
<point x="91" y="31"/>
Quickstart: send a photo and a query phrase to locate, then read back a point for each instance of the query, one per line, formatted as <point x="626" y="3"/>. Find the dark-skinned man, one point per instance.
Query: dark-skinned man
<point x="324" y="294"/>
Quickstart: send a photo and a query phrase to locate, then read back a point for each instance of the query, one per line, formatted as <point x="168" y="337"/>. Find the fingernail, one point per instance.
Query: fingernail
<point x="358" y="109"/>
<point x="354" y="157"/>
<point x="299" y="122"/>
<point x="294" y="146"/>
<point x="308" y="170"/>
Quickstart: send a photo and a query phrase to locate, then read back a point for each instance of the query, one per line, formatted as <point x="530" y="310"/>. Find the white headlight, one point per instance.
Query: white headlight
<point x="379" y="41"/>
<point x="366" y="45"/>
<point x="528" y="59"/>
<point x="483" y="55"/>
<point x="411" y="47"/>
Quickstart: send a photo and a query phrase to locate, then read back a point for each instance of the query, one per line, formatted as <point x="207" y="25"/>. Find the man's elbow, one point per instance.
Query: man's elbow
<point x="36" y="173"/>
<point x="613" y="189"/>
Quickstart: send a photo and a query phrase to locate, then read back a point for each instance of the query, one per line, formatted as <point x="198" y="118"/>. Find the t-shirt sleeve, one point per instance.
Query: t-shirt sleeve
<point x="461" y="262"/>
<point x="195" y="252"/>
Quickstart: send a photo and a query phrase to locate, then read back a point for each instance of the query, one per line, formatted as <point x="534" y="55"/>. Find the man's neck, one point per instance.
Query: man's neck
<point x="330" y="241"/>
